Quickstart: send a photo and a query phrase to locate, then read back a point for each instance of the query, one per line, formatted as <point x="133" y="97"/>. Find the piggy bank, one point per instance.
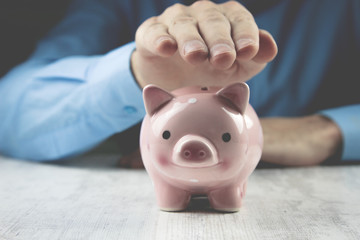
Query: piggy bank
<point x="200" y="141"/>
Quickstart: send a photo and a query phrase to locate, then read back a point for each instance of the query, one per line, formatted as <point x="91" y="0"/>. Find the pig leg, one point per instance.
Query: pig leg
<point x="170" y="198"/>
<point x="244" y="189"/>
<point x="227" y="199"/>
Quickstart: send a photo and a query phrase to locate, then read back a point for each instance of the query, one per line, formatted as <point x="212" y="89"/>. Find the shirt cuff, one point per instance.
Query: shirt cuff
<point x="348" y="120"/>
<point x="115" y="92"/>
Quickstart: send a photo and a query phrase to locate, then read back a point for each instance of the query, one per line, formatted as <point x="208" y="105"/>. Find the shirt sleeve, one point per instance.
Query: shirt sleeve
<point x="348" y="120"/>
<point x="72" y="93"/>
<point x="66" y="107"/>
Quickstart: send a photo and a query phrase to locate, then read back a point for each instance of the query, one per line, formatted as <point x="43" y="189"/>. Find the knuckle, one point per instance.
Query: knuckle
<point x="177" y="7"/>
<point x="213" y="17"/>
<point x="183" y="20"/>
<point x="150" y="21"/>
<point x="155" y="27"/>
<point x="241" y="16"/>
<point x="202" y="4"/>
<point x="146" y="25"/>
<point x="232" y="4"/>
<point x="174" y="9"/>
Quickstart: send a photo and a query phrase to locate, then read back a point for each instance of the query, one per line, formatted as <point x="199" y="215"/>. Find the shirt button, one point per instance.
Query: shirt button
<point x="130" y="109"/>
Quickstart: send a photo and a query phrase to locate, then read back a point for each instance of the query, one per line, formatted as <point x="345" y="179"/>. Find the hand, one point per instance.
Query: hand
<point x="202" y="44"/>
<point x="302" y="141"/>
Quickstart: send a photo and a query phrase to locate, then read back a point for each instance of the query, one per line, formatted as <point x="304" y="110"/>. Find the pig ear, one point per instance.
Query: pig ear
<point x="238" y="94"/>
<point x="155" y="98"/>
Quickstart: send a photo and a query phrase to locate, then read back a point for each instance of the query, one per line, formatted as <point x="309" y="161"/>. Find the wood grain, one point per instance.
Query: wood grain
<point x="91" y="199"/>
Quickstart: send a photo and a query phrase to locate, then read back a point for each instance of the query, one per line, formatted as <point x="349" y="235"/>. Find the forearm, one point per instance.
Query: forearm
<point x="300" y="141"/>
<point x="49" y="113"/>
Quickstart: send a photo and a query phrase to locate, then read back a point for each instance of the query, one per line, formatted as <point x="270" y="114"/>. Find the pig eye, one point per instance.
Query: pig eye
<point x="166" y="135"/>
<point x="226" y="137"/>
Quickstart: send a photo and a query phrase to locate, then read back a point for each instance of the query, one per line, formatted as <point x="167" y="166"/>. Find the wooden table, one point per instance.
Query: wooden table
<point x="90" y="198"/>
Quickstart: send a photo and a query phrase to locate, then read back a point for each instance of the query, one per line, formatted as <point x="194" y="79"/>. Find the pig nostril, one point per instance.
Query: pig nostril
<point x="187" y="153"/>
<point x="202" y="154"/>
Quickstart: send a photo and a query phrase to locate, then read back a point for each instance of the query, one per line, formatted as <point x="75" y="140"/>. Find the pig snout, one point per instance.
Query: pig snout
<point x="194" y="151"/>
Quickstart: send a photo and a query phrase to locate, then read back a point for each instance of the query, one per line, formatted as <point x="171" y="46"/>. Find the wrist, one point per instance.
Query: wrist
<point x="330" y="135"/>
<point x="134" y="66"/>
<point x="300" y="141"/>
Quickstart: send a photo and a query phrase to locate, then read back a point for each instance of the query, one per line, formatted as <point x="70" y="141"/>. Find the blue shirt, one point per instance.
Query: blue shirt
<point x="77" y="88"/>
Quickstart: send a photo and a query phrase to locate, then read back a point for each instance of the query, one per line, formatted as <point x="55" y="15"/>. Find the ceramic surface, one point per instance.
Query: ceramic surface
<point x="200" y="141"/>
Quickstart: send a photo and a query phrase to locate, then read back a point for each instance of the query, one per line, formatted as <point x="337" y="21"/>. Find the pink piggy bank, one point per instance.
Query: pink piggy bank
<point x="200" y="141"/>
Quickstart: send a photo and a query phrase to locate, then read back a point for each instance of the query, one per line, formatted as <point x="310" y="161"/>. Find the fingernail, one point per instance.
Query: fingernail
<point x="163" y="39"/>
<point x="243" y="43"/>
<point x="193" y="46"/>
<point x="220" y="49"/>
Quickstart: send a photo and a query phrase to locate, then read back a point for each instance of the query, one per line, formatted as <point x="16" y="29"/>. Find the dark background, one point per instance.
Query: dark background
<point x="22" y="24"/>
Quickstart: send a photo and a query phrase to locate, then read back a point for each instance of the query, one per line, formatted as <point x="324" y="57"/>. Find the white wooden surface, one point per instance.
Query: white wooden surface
<point x="91" y="199"/>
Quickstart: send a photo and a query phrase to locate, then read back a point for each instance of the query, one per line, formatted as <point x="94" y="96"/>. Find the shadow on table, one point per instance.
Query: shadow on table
<point x="201" y="204"/>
